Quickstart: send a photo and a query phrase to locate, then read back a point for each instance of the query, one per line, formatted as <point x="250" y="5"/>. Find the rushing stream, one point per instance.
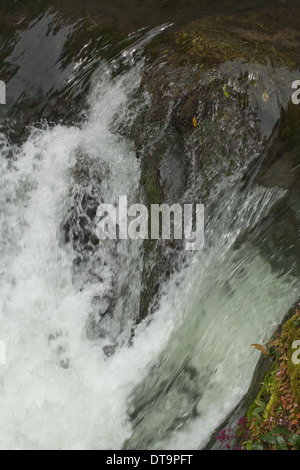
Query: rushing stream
<point x="73" y="381"/>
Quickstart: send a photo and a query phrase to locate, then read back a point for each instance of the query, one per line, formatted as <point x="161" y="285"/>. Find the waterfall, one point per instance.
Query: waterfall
<point x="75" y="378"/>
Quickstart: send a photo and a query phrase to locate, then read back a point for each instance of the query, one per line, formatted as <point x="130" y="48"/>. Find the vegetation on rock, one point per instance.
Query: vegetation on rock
<point x="273" y="420"/>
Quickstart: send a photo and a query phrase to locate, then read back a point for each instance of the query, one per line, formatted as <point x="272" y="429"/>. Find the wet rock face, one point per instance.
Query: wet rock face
<point x="218" y="106"/>
<point x="270" y="35"/>
<point x="183" y="387"/>
<point x="93" y="267"/>
<point x="191" y="137"/>
<point x="216" y="90"/>
<point x="284" y="157"/>
<point x="208" y="82"/>
<point x="80" y="226"/>
<point x="281" y="168"/>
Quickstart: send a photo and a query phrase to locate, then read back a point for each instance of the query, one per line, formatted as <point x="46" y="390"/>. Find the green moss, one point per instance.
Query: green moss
<point x="213" y="40"/>
<point x="209" y="43"/>
<point x="295" y="383"/>
<point x="273" y="402"/>
<point x="276" y="403"/>
<point x="267" y="395"/>
<point x="150" y="182"/>
<point x="149" y="278"/>
<point x="291" y="334"/>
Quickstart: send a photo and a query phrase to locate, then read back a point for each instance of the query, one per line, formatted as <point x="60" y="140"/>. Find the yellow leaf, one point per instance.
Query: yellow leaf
<point x="261" y="348"/>
<point x="265" y="96"/>
<point x="225" y="91"/>
<point x="195" y="122"/>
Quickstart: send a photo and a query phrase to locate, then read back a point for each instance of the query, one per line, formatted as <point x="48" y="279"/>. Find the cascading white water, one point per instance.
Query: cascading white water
<point x="54" y="374"/>
<point x="58" y="389"/>
<point x="224" y="301"/>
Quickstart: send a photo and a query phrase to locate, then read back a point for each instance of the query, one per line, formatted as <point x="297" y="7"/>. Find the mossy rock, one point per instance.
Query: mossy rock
<point x="291" y="334"/>
<point x="254" y="37"/>
<point x="278" y="402"/>
<point x="200" y="91"/>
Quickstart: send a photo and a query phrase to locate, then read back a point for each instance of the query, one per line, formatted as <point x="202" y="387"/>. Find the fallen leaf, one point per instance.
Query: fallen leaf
<point x="261" y="348"/>
<point x="265" y="96"/>
<point x="225" y="91"/>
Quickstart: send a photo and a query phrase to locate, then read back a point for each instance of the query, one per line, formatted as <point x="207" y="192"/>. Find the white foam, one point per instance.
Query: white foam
<point x="43" y="317"/>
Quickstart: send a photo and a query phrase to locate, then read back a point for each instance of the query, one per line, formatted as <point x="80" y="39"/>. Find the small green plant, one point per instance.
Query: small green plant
<point x="281" y="438"/>
<point x="274" y="418"/>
